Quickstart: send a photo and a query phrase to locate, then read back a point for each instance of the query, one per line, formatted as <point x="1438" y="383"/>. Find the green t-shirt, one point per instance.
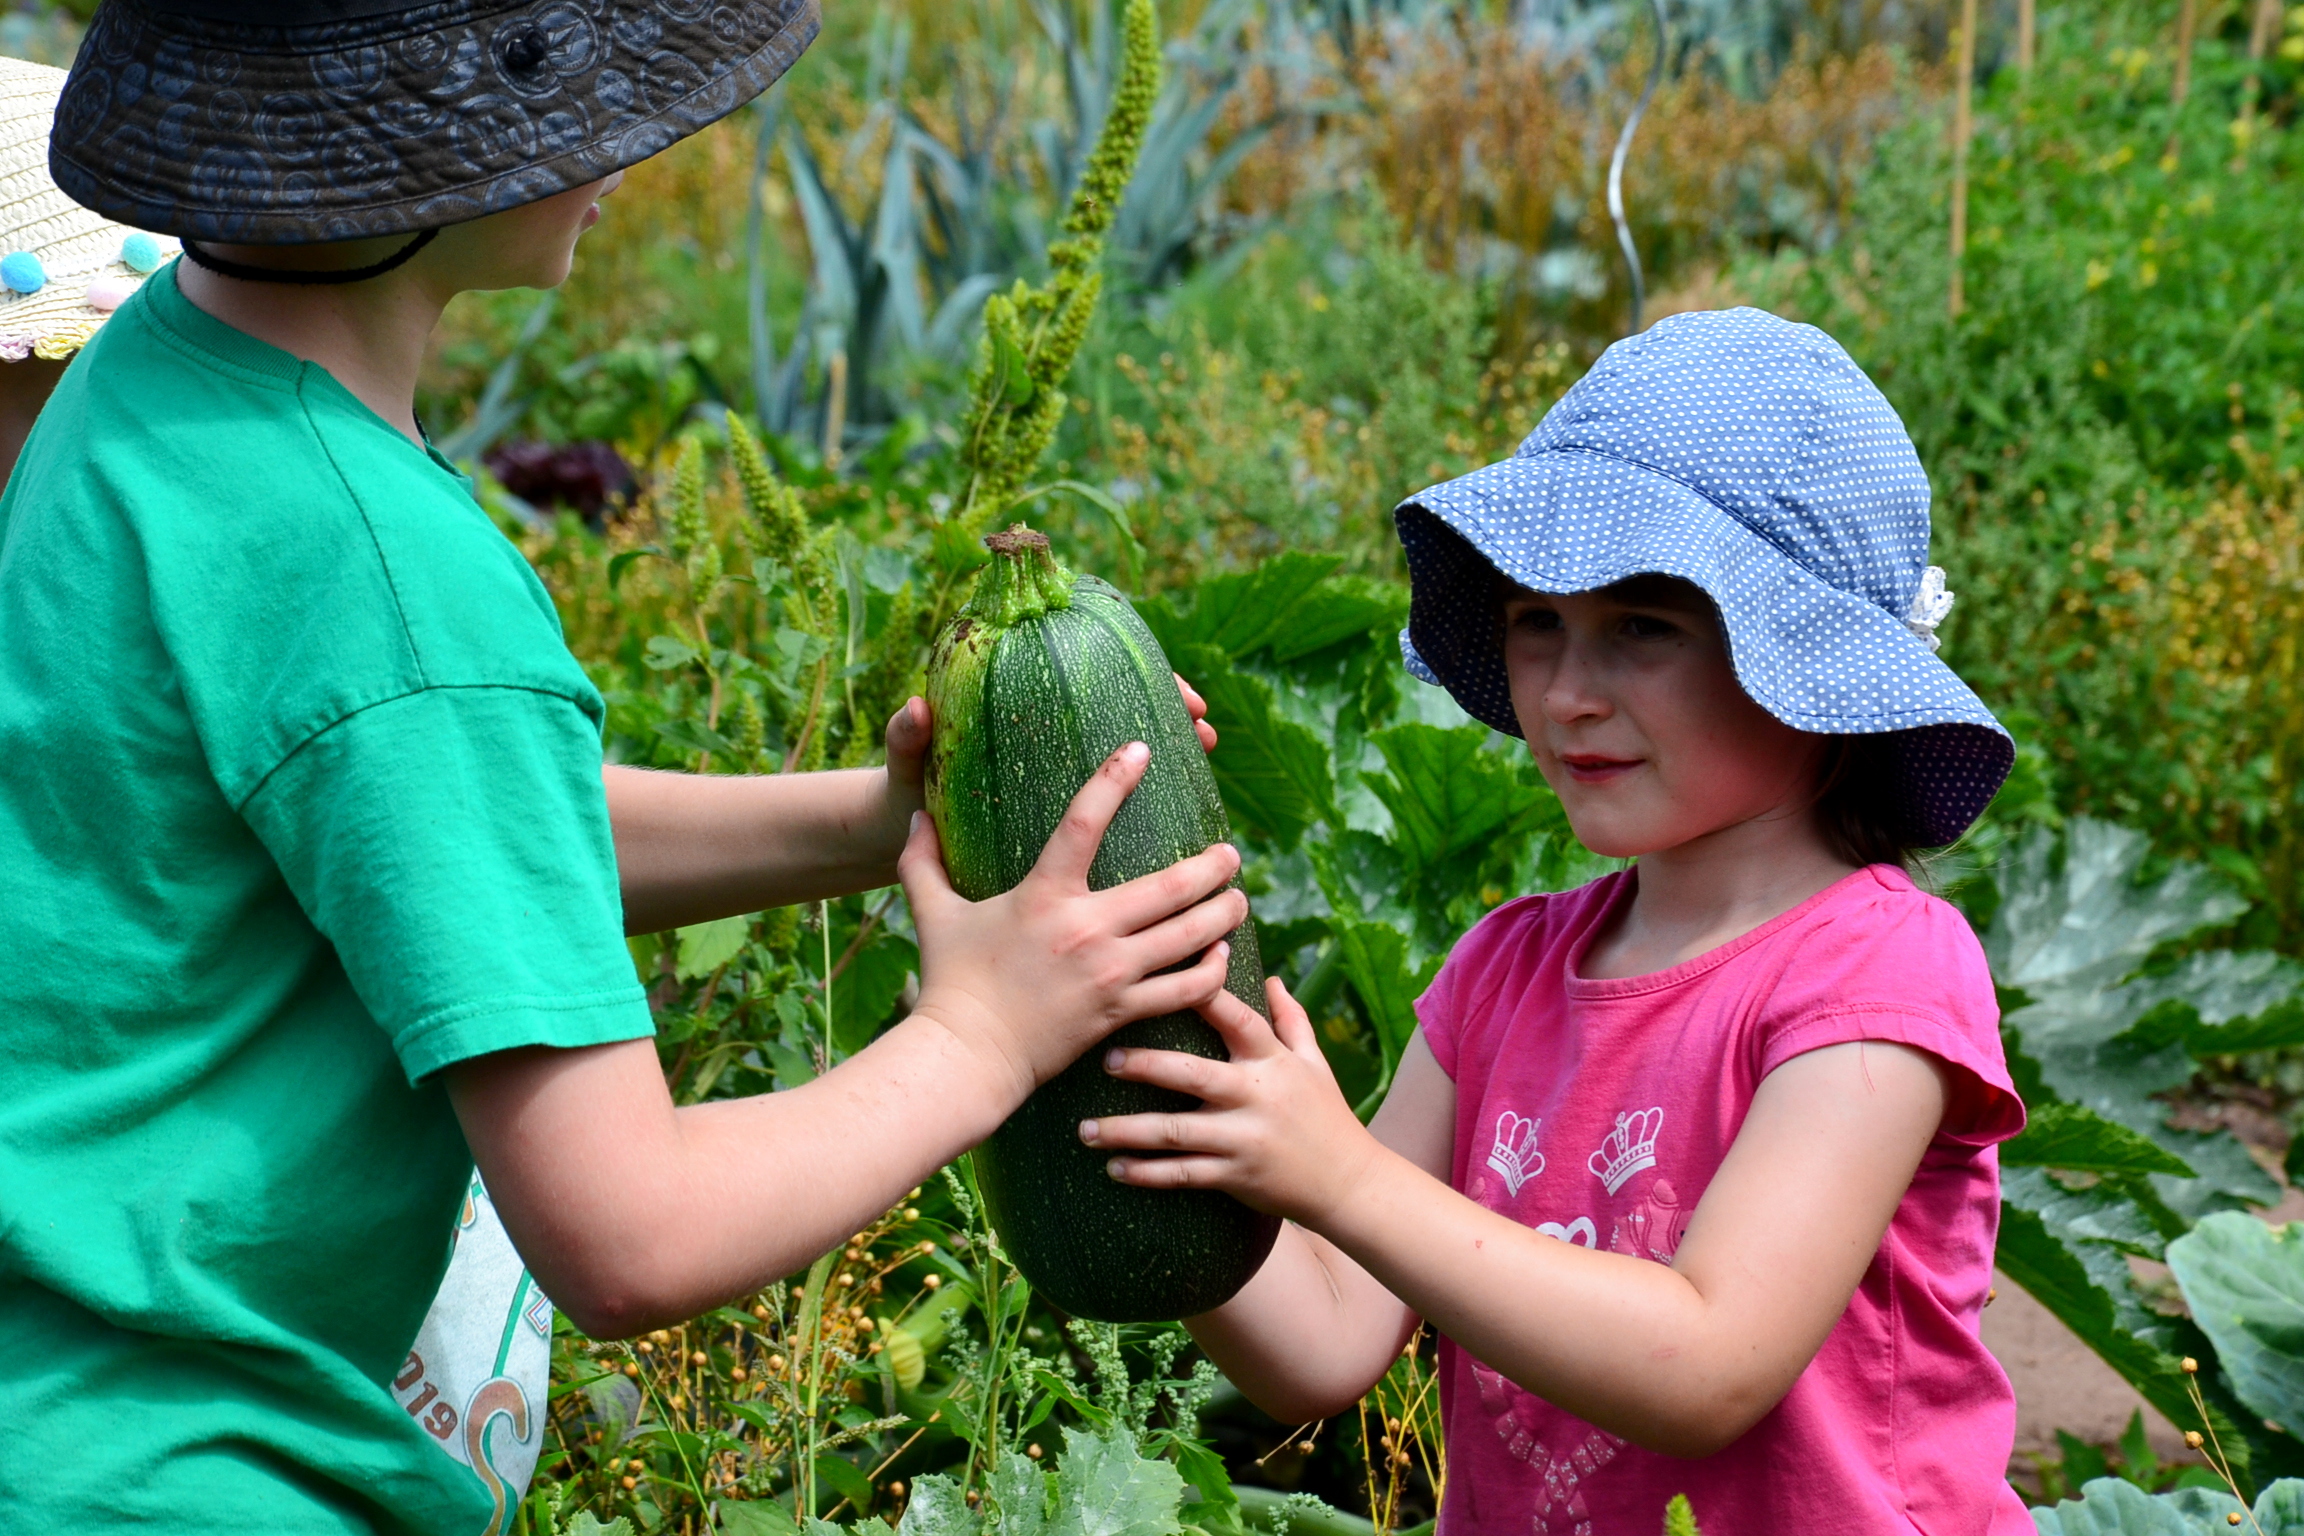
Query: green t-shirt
<point x="301" y="803"/>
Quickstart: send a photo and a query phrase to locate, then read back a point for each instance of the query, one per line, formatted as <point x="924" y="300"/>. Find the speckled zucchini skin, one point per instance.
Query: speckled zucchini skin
<point x="1028" y="700"/>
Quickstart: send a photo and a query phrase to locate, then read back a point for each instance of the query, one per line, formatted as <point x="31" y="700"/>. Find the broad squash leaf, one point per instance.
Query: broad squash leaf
<point x="2112" y="1507"/>
<point x="938" y="1508"/>
<point x="1287" y="607"/>
<point x="2072" y="939"/>
<point x="2069" y="1249"/>
<point x="1104" y="1488"/>
<point x="1447" y="793"/>
<point x="2245" y="1283"/>
<point x="1376" y="960"/>
<point x="1272" y="771"/>
<point x="2076" y="1138"/>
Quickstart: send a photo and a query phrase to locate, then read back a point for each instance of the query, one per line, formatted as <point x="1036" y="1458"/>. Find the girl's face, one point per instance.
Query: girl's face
<point x="1638" y="722"/>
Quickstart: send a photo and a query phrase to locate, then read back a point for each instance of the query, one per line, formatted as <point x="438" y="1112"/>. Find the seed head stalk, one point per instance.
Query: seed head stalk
<point x="1033" y="334"/>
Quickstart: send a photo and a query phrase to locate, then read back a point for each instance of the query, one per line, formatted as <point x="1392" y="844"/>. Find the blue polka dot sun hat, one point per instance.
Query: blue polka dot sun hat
<point x="1752" y="457"/>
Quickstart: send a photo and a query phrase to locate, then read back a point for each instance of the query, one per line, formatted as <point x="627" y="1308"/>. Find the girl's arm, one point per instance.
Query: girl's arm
<point x="1680" y="1359"/>
<point x="691" y="847"/>
<point x="1313" y="1331"/>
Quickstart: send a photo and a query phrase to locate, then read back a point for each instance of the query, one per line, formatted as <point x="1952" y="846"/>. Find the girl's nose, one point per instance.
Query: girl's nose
<point x="1574" y="691"/>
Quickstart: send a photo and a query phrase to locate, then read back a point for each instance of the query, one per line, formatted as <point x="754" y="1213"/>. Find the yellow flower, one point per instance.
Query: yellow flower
<point x="2099" y="273"/>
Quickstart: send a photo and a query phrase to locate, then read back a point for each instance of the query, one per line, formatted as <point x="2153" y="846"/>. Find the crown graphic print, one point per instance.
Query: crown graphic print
<point x="1628" y="1148"/>
<point x="1515" y="1155"/>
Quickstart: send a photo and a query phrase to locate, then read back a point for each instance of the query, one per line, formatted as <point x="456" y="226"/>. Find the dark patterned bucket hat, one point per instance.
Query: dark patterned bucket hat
<point x="279" y="122"/>
<point x="1752" y="457"/>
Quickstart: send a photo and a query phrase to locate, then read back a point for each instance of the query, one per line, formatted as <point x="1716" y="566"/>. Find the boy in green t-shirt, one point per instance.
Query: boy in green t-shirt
<point x="312" y="883"/>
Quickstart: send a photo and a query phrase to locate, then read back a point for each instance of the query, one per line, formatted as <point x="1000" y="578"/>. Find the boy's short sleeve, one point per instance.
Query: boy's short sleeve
<point x="453" y="846"/>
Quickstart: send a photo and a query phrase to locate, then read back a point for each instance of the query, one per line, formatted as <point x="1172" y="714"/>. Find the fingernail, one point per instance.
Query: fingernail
<point x="1223" y="950"/>
<point x="1088" y="1132"/>
<point x="1114" y="1060"/>
<point x="1135" y="752"/>
<point x="1113" y="1168"/>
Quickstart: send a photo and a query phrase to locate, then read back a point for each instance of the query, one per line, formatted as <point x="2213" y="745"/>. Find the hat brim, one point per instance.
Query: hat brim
<point x="1815" y="657"/>
<point x="387" y="124"/>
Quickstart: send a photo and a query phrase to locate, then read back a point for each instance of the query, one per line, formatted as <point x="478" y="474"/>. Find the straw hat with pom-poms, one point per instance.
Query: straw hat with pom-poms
<point x="63" y="270"/>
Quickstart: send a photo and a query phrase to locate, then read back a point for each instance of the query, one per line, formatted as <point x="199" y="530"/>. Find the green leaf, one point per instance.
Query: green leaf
<point x="705" y="947"/>
<point x="2083" y="1463"/>
<point x="938" y="1508"/>
<point x="2071" y="939"/>
<point x="846" y="1479"/>
<point x="1104" y="1488"/>
<point x="864" y="995"/>
<point x="2074" y="1137"/>
<point x="1289" y="606"/>
<point x="588" y="1524"/>
<point x="2136" y="1453"/>
<point x="2069" y="1250"/>
<point x="669" y="653"/>
<point x="1375" y="957"/>
<point x="1022" y="1493"/>
<point x="1447" y="793"/>
<point x="2112" y="1506"/>
<point x="696" y="736"/>
<point x="620" y="563"/>
<point x="1272" y="772"/>
<point x="754" y="1517"/>
<point x="2245" y="1283"/>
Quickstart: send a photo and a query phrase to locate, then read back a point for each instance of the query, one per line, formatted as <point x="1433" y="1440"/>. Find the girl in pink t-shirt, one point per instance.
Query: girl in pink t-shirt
<point x="1693" y="1168"/>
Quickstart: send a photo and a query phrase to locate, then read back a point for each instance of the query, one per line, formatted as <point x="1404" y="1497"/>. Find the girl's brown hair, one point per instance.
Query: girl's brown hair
<point x="1860" y="797"/>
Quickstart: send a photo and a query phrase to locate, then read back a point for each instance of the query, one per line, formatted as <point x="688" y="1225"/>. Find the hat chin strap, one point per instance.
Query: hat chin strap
<point x="209" y="261"/>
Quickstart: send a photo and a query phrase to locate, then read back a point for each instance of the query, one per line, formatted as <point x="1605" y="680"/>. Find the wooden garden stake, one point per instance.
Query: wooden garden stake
<point x="2187" y="26"/>
<point x="1963" y="126"/>
<point x="2027" y="33"/>
<point x="2264" y="27"/>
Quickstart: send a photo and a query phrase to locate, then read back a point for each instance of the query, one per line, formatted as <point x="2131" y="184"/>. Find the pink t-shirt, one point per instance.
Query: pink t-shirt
<point x="1597" y="1111"/>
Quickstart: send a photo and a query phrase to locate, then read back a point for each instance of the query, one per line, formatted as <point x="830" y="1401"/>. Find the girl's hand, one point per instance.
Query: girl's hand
<point x="1273" y="1130"/>
<point x="1034" y="977"/>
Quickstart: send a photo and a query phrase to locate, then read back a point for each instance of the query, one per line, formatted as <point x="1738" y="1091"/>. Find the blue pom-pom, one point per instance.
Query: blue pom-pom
<point x="22" y="272"/>
<point x="141" y="252"/>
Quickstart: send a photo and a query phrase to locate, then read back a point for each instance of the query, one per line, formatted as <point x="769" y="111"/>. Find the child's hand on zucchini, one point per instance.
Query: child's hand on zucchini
<point x="1033" y="977"/>
<point x="1273" y="1129"/>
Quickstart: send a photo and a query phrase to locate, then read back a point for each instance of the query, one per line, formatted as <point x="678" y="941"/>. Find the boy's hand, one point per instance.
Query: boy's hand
<point x="1035" y="976"/>
<point x="908" y="737"/>
<point x="1273" y="1130"/>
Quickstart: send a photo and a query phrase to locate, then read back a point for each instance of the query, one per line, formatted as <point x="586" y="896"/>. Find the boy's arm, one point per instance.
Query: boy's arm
<point x="1680" y="1359"/>
<point x="632" y="1213"/>
<point x="1308" y="1337"/>
<point x="691" y="847"/>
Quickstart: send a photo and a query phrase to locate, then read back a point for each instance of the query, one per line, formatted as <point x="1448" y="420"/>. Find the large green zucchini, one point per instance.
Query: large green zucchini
<point x="1038" y="679"/>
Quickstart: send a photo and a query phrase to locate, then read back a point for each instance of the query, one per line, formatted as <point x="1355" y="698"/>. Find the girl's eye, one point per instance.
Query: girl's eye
<point x="1642" y="627"/>
<point x="1540" y="621"/>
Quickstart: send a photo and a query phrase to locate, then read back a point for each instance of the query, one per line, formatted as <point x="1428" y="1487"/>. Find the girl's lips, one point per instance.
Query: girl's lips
<point x="1589" y="768"/>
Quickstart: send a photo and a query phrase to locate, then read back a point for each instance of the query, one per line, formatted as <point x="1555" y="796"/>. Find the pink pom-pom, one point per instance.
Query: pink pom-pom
<point x="107" y="294"/>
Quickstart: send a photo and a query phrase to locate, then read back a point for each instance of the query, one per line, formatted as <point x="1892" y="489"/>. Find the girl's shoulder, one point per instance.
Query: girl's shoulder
<point x="1506" y="954"/>
<point x="1878" y="933"/>
<point x="1878" y="958"/>
<point x="1529" y="926"/>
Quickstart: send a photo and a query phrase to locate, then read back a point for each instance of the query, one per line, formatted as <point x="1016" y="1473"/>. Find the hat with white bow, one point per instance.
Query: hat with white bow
<point x="1752" y="457"/>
